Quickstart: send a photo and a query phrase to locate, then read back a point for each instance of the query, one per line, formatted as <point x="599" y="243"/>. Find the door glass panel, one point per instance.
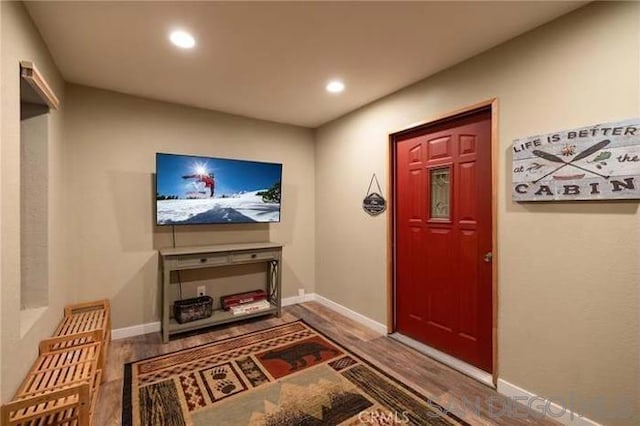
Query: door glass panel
<point x="440" y="193"/>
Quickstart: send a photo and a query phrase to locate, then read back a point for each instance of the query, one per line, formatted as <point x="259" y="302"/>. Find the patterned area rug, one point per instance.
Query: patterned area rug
<point x="285" y="375"/>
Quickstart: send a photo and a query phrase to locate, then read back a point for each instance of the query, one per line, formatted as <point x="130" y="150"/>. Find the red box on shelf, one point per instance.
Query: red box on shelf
<point x="241" y="298"/>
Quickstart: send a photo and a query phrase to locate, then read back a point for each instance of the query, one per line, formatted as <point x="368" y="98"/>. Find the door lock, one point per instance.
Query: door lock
<point x="488" y="257"/>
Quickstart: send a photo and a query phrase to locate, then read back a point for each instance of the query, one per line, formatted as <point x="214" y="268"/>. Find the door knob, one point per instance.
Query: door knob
<point x="488" y="257"/>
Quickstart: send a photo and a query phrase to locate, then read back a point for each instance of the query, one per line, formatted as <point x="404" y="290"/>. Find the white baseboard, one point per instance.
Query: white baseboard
<point x="552" y="410"/>
<point x="135" y="330"/>
<point x="154" y="327"/>
<point x="366" y="321"/>
<point x="294" y="300"/>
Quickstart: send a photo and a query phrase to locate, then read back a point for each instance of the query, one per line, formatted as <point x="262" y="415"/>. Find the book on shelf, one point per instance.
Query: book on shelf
<point x="242" y="298"/>
<point x="247" y="308"/>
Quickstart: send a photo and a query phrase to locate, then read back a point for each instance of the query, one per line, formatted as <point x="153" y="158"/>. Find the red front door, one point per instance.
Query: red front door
<point x="443" y="238"/>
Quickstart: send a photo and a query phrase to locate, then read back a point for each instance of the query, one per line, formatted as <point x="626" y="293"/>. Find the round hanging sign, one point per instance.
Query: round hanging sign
<point x="373" y="202"/>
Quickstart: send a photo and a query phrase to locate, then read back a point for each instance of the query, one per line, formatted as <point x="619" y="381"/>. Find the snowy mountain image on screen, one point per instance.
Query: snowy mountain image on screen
<point x="247" y="207"/>
<point x="203" y="190"/>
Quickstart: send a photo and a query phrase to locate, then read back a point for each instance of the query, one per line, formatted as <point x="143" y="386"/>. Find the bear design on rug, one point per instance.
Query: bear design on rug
<point x="295" y="354"/>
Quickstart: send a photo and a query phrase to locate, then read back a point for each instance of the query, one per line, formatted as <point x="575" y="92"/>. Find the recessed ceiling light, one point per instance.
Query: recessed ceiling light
<point x="335" y="86"/>
<point x="182" y="39"/>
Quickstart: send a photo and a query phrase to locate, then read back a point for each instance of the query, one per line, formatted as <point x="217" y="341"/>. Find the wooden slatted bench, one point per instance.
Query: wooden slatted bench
<point x="65" y="406"/>
<point x="86" y="317"/>
<point x="62" y="386"/>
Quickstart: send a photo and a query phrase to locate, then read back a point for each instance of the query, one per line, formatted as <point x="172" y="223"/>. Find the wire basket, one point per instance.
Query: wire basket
<point x="193" y="309"/>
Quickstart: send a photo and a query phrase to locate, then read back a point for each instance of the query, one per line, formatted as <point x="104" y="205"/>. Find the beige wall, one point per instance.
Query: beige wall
<point x="21" y="41"/>
<point x="568" y="312"/>
<point x="111" y="141"/>
<point x="34" y="214"/>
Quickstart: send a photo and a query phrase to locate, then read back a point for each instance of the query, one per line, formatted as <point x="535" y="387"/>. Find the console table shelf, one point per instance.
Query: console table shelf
<point x="220" y="316"/>
<point x="180" y="258"/>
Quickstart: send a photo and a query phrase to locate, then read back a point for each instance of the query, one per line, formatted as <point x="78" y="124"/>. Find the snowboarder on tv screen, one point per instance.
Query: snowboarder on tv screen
<point x="207" y="179"/>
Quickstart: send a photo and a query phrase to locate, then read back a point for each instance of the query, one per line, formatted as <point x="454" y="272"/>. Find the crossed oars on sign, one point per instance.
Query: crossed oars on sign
<point x="584" y="154"/>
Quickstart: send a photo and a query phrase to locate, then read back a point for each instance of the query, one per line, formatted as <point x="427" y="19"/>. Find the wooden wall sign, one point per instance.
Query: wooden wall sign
<point x="599" y="162"/>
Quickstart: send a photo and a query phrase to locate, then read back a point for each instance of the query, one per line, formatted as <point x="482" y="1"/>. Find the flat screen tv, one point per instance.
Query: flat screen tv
<point x="202" y="190"/>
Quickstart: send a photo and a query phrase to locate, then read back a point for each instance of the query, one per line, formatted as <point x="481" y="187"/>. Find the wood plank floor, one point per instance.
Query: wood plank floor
<point x="435" y="380"/>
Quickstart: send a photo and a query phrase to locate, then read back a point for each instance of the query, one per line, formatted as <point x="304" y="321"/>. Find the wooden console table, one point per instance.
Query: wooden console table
<point x="180" y="258"/>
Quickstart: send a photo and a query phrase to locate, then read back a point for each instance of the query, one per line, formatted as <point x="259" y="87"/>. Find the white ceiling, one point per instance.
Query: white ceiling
<point x="272" y="60"/>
